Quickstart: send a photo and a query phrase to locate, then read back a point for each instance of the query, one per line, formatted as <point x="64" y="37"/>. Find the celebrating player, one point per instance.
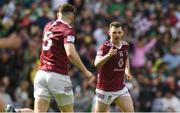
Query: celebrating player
<point x="113" y="65"/>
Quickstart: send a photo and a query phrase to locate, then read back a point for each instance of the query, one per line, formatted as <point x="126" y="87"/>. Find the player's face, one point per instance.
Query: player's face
<point x="116" y="34"/>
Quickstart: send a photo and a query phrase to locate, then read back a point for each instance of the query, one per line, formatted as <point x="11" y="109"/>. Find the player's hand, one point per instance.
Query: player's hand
<point x="91" y="81"/>
<point x="129" y="77"/>
<point x="88" y="75"/>
<point x="112" y="52"/>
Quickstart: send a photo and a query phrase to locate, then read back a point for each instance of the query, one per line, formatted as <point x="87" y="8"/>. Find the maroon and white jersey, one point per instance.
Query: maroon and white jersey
<point x="111" y="75"/>
<point x="53" y="54"/>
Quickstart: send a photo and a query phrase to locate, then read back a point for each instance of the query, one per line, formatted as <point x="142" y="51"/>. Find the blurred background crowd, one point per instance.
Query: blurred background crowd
<point x="153" y="32"/>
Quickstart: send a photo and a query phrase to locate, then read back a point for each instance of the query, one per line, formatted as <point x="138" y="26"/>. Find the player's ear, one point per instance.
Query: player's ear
<point x="123" y="33"/>
<point x="125" y="30"/>
<point x="57" y="14"/>
<point x="109" y="32"/>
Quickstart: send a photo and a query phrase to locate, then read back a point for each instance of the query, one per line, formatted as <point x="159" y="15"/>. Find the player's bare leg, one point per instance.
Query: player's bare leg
<point x="2" y="106"/>
<point x="41" y="104"/>
<point x="65" y="102"/>
<point x="67" y="108"/>
<point x="101" y="107"/>
<point x="125" y="103"/>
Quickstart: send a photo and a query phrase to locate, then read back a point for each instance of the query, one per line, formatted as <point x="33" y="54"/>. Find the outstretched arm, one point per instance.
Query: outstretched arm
<point x="150" y="44"/>
<point x="11" y="42"/>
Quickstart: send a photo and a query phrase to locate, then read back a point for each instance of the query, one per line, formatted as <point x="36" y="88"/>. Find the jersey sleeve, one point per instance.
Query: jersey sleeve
<point x="69" y="36"/>
<point x="101" y="51"/>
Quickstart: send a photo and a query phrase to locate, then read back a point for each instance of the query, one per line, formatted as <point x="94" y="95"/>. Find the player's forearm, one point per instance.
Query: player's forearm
<point x="100" y="61"/>
<point x="127" y="71"/>
<point x="127" y="68"/>
<point x="74" y="57"/>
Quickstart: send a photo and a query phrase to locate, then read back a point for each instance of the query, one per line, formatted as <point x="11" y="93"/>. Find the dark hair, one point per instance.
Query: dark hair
<point x="115" y="24"/>
<point x="66" y="8"/>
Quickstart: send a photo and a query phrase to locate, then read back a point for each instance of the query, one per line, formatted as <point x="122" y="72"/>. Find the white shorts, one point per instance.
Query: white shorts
<point x="108" y="97"/>
<point x="47" y="84"/>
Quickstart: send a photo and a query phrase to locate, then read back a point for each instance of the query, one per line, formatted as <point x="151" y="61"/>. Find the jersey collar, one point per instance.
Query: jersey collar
<point x="120" y="45"/>
<point x="62" y="21"/>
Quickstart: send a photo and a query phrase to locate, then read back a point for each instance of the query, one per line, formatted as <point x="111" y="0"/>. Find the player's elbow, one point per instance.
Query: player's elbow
<point x="96" y="64"/>
<point x="69" y="55"/>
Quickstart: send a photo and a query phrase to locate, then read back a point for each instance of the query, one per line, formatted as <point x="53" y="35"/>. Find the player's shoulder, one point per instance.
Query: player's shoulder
<point x="59" y="24"/>
<point x="63" y="24"/>
<point x="107" y="43"/>
<point x="65" y="27"/>
<point x="125" y="43"/>
<point x="47" y="26"/>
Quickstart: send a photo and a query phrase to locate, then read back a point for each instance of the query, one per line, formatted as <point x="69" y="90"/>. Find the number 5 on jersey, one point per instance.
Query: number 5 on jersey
<point x="47" y="42"/>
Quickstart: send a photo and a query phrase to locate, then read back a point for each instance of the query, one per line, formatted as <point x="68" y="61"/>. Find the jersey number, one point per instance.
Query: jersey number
<point x="47" y="42"/>
<point x="120" y="62"/>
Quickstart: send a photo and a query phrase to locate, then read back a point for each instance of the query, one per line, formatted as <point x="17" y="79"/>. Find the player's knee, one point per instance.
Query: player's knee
<point x="67" y="108"/>
<point x="101" y="108"/>
<point x="41" y="103"/>
<point x="129" y="109"/>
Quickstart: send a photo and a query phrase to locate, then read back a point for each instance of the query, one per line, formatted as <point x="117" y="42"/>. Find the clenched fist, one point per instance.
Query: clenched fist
<point x="112" y="52"/>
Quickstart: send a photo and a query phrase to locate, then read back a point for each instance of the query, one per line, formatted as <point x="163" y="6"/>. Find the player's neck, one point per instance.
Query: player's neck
<point x="66" y="20"/>
<point x="115" y="43"/>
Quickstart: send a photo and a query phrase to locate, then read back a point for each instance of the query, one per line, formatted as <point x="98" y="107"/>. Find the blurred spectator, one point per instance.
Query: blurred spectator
<point x="177" y="81"/>
<point x="22" y="95"/>
<point x="170" y="102"/>
<point x="157" y="105"/>
<point x="56" y="3"/>
<point x="172" y="58"/>
<point x="140" y="50"/>
<point x="3" y="89"/>
<point x="100" y="34"/>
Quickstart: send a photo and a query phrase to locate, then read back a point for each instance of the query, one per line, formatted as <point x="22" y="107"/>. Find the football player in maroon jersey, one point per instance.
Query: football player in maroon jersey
<point x="113" y="65"/>
<point x="58" y="49"/>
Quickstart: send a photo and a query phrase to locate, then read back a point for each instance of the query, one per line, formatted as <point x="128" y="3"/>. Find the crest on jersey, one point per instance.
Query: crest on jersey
<point x="121" y="53"/>
<point x="99" y="52"/>
<point x="70" y="39"/>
